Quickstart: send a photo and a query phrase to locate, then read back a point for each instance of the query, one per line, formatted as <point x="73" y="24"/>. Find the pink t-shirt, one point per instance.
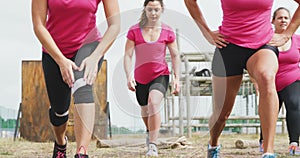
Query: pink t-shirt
<point x="289" y="70"/>
<point x="150" y="56"/>
<point x="72" y="23"/>
<point x="247" y="22"/>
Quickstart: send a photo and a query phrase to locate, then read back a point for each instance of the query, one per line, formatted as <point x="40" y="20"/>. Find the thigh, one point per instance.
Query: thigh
<point x="81" y="54"/>
<point x="142" y="93"/>
<point x="263" y="61"/>
<point x="158" y="88"/>
<point x="58" y="91"/>
<point x="229" y="61"/>
<point x="161" y="84"/>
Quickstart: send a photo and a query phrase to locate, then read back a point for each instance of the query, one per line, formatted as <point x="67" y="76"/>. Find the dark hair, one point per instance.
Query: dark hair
<point x="280" y="8"/>
<point x="143" y="19"/>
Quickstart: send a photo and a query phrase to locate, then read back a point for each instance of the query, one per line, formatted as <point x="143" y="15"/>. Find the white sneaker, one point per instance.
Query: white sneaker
<point x="152" y="151"/>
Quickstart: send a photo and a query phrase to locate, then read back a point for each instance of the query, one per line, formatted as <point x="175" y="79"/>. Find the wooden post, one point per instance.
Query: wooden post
<point x="34" y="122"/>
<point x="187" y="98"/>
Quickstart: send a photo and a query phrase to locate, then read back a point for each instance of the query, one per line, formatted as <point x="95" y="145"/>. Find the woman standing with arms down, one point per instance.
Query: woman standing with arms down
<point x="288" y="79"/>
<point x="73" y="51"/>
<point x="149" y="39"/>
<point x="245" y="40"/>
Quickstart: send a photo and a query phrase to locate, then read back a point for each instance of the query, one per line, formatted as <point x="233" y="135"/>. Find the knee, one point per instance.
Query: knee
<point x="58" y="118"/>
<point x="267" y="80"/>
<point x="82" y="93"/>
<point x="153" y="107"/>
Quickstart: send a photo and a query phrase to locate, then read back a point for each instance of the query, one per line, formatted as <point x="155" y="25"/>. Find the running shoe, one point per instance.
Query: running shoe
<point x="80" y="155"/>
<point x="152" y="150"/>
<point x="261" y="146"/>
<point x="294" y="149"/>
<point x="213" y="152"/>
<point x="269" y="155"/>
<point x="59" y="151"/>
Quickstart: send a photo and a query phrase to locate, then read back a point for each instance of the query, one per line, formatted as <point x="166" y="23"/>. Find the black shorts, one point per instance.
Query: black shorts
<point x="232" y="59"/>
<point x="142" y="90"/>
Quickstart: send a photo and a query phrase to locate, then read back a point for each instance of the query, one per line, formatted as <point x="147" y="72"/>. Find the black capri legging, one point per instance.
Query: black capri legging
<point x="290" y="96"/>
<point x="59" y="93"/>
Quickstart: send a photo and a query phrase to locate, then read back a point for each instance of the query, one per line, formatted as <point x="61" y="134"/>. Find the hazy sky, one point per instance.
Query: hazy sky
<point x="19" y="43"/>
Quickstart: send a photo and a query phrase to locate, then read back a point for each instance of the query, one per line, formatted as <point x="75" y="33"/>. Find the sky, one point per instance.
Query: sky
<point x="19" y="43"/>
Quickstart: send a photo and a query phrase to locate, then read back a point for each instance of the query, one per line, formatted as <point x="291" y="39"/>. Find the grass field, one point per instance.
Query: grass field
<point x="25" y="149"/>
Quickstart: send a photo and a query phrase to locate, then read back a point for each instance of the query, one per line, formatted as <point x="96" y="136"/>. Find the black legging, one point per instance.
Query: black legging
<point x="290" y="96"/>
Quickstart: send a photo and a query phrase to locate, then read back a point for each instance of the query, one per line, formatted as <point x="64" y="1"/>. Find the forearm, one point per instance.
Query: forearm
<point x="294" y="24"/>
<point x="176" y="66"/>
<point x="127" y="65"/>
<point x="108" y="38"/>
<point x="48" y="43"/>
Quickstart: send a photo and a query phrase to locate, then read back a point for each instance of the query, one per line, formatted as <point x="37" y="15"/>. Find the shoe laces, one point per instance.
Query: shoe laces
<point x="60" y="154"/>
<point x="215" y="151"/>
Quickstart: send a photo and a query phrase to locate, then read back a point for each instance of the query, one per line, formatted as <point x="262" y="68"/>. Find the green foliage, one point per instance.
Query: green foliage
<point x="9" y="123"/>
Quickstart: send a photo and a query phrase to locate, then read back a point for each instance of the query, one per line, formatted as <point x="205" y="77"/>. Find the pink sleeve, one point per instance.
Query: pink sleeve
<point x="171" y="36"/>
<point x="130" y="35"/>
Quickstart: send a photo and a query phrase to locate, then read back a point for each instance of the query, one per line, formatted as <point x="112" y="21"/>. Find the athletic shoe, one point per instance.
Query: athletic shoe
<point x="80" y="155"/>
<point x="152" y="150"/>
<point x="59" y="151"/>
<point x="261" y="146"/>
<point x="268" y="155"/>
<point x="213" y="152"/>
<point x="294" y="149"/>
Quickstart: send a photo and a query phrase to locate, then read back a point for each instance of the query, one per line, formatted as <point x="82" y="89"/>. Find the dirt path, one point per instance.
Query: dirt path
<point x="25" y="149"/>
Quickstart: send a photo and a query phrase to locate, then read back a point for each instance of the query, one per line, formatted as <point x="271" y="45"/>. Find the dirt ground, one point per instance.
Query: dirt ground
<point x="25" y="149"/>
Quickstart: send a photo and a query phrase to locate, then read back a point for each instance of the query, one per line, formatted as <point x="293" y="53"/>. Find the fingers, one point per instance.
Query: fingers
<point x="176" y="88"/>
<point x="68" y="77"/>
<point x="131" y="84"/>
<point x="220" y="41"/>
<point x="90" y="76"/>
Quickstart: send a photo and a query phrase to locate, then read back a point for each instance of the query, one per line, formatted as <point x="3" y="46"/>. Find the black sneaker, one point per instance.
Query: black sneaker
<point x="80" y="155"/>
<point x="59" y="151"/>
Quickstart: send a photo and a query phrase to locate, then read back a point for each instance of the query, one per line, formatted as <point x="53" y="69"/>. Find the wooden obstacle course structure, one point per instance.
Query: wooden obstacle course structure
<point x="34" y="122"/>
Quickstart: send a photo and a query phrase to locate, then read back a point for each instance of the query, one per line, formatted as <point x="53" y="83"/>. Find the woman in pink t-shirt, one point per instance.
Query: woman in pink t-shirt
<point x="73" y="51"/>
<point x="245" y="40"/>
<point x="149" y="40"/>
<point x="288" y="79"/>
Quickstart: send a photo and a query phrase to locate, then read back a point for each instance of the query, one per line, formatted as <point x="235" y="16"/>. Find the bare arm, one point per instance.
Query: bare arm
<point x="39" y="16"/>
<point x="112" y="13"/>
<point x="176" y="65"/>
<point x="213" y="37"/>
<point x="281" y="39"/>
<point x="129" y="47"/>
<point x="295" y="22"/>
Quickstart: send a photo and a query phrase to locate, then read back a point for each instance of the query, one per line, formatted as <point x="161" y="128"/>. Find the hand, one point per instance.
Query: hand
<point x="217" y="39"/>
<point x="278" y="40"/>
<point x="131" y="83"/>
<point x="66" y="69"/>
<point x="176" y="86"/>
<point x="90" y="67"/>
